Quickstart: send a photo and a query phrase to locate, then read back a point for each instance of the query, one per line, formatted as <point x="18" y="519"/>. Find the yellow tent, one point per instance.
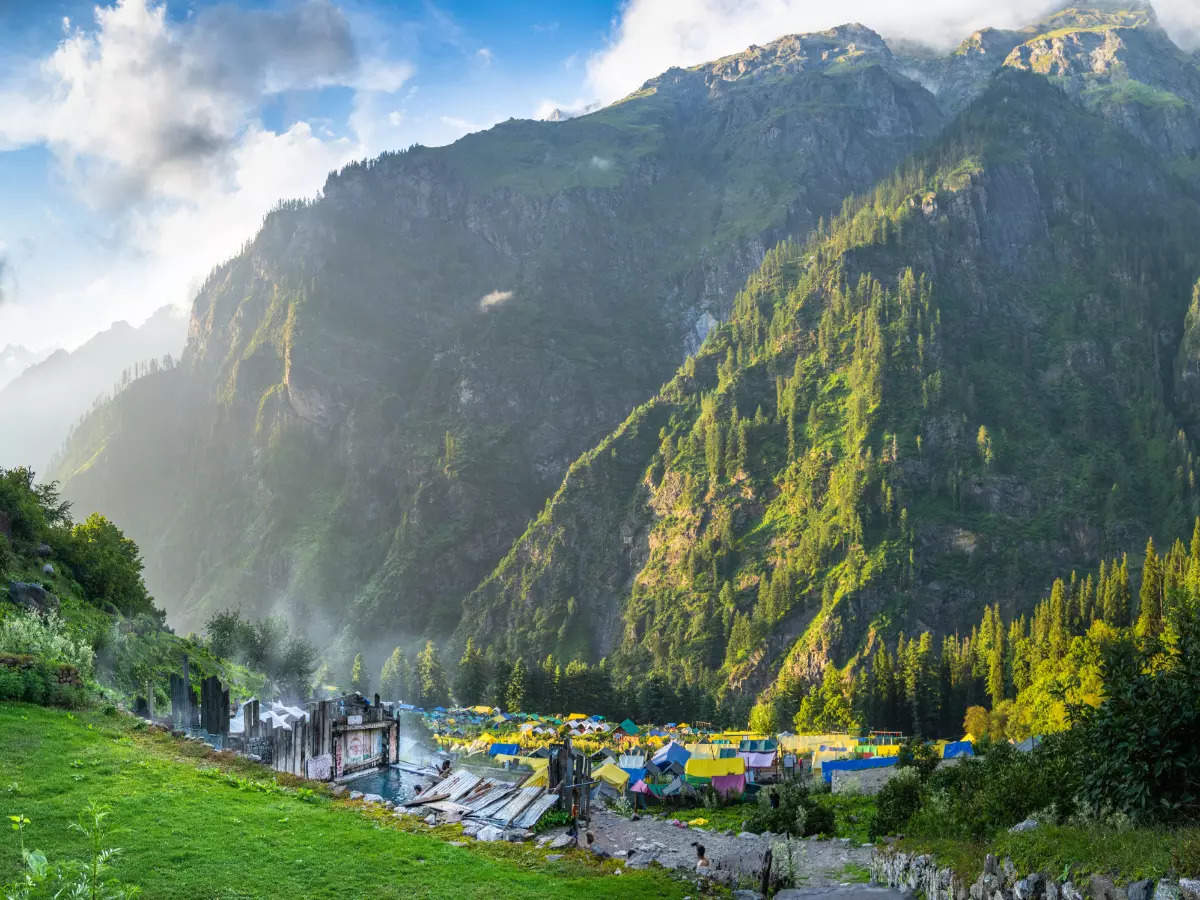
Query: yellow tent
<point x="612" y="775"/>
<point x="702" y="751"/>
<point x="575" y="716"/>
<point x="482" y="710"/>
<point x="707" y="768"/>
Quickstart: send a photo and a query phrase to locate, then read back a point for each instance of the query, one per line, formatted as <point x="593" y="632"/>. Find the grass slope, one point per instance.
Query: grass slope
<point x="185" y="833"/>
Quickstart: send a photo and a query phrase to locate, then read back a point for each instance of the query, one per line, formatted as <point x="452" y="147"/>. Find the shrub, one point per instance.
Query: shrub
<point x="788" y="808"/>
<point x="46" y="637"/>
<point x="896" y="803"/>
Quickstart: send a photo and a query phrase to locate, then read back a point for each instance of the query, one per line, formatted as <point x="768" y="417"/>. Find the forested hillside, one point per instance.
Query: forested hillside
<point x="384" y="387"/>
<point x="967" y="366"/>
<point x="974" y="379"/>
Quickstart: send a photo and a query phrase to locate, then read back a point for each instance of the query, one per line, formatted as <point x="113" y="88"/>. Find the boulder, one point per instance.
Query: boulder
<point x="1167" y="890"/>
<point x="490" y="833"/>
<point x="1101" y="888"/>
<point x="1139" y="890"/>
<point x="1070" y="891"/>
<point x="1189" y="888"/>
<point x="553" y="856"/>
<point x="1027" y="825"/>
<point x="32" y="596"/>
<point x="356" y="795"/>
<point x="372" y="798"/>
<point x="747" y="895"/>
<point x="563" y="840"/>
<point x="47" y="569"/>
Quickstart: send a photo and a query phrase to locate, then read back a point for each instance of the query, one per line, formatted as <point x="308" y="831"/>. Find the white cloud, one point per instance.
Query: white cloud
<point x="484" y="55"/>
<point x="156" y="125"/>
<point x="463" y="126"/>
<point x="494" y="298"/>
<point x="650" y="36"/>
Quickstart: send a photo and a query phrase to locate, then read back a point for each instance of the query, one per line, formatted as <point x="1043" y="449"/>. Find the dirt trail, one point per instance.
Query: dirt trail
<point x="816" y="863"/>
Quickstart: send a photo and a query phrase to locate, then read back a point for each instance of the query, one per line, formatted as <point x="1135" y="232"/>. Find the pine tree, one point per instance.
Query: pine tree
<point x="395" y="680"/>
<point x="996" y="679"/>
<point x="358" y="676"/>
<point x="470" y="685"/>
<point x="431" y="679"/>
<point x="517" y="690"/>
<point x="1150" y="606"/>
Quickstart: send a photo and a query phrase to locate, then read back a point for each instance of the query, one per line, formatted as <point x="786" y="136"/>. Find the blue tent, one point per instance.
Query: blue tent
<point x="671" y="753"/>
<point x="958" y="748"/>
<point x="635" y="775"/>
<point x="854" y="765"/>
<point x="507" y="749"/>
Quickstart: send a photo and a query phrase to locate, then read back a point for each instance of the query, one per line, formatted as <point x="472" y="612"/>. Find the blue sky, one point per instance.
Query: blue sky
<point x="142" y="141"/>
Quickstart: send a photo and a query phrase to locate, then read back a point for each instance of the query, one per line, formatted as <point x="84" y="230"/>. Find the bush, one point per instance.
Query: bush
<point x="896" y="803"/>
<point x="975" y="799"/>
<point x="29" y="680"/>
<point x="788" y="808"/>
<point x="45" y="637"/>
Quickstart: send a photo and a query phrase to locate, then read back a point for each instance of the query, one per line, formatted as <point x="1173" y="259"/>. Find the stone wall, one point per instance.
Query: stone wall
<point x="920" y="874"/>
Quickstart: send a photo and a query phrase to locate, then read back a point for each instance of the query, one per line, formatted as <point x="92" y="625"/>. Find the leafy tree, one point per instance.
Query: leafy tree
<point x="108" y="565"/>
<point x="976" y="722"/>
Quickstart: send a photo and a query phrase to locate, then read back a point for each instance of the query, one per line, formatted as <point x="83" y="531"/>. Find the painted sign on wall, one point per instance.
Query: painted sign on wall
<point x="363" y="747"/>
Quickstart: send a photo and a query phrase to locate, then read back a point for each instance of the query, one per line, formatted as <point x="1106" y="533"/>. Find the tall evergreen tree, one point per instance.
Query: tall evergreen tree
<point x="470" y="684"/>
<point x="358" y="676"/>
<point x="431" y="679"/>
<point x="395" y="680"/>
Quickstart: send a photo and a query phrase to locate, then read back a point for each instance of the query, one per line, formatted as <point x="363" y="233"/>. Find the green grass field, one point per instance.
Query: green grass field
<point x="192" y="824"/>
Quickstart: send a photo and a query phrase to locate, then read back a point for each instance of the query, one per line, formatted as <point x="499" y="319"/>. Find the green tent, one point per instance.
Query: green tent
<point x="628" y="727"/>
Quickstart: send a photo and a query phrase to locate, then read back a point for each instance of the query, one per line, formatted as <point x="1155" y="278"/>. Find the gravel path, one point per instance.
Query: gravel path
<point x="817" y="864"/>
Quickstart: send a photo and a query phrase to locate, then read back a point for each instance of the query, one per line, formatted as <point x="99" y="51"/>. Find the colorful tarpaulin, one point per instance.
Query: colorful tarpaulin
<point x="729" y="785"/>
<point x="613" y="776"/>
<point x="854" y="765"/>
<point x="670" y="753"/>
<point x="509" y="749"/>
<point x="641" y="788"/>
<point x="707" y="768"/>
<point x="759" y="760"/>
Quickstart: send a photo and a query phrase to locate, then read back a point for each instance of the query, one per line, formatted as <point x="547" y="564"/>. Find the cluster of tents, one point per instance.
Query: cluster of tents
<point x="663" y="761"/>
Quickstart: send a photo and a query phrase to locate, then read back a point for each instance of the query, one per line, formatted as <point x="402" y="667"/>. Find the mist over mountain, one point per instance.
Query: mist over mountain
<point x="405" y="409"/>
<point x="41" y="403"/>
<point x="15" y="359"/>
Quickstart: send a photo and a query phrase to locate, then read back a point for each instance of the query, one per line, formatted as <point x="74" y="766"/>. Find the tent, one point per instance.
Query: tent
<point x="575" y="716"/>
<point x="703" y="769"/>
<point x="729" y="785"/>
<point x="612" y="775"/>
<point x="628" y="727"/>
<point x="958" y="748"/>
<point x="507" y="749"/>
<point x="481" y="710"/>
<point x="671" y="752"/>
<point x="854" y="765"/>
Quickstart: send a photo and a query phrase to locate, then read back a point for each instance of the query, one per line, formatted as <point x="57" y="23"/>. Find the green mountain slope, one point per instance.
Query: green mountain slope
<point x="384" y="387"/>
<point x="979" y="376"/>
